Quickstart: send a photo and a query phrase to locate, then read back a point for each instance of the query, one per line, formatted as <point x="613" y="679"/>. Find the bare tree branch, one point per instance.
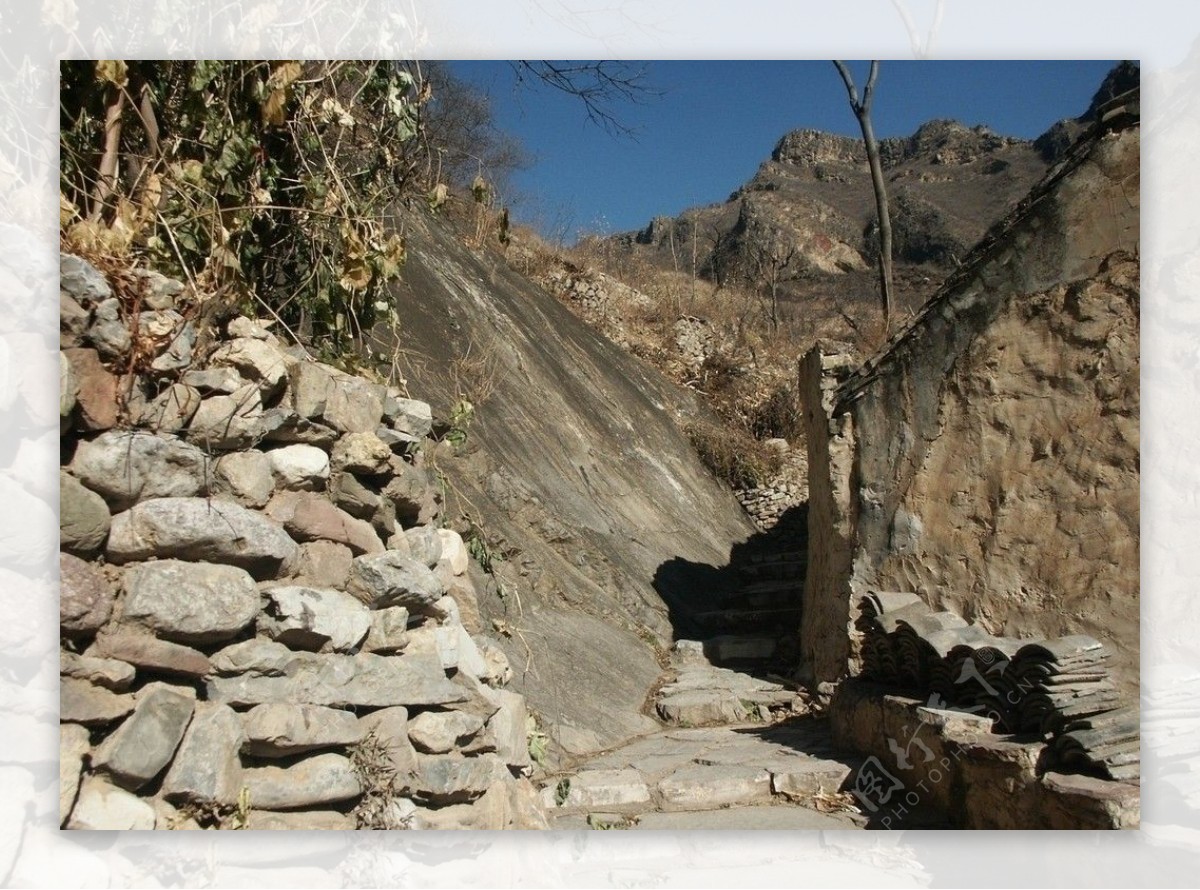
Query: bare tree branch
<point x="599" y="85"/>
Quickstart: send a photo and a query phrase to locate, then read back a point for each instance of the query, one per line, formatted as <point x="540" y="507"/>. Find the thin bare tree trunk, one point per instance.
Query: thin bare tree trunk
<point x="862" y="111"/>
<point x="107" y="177"/>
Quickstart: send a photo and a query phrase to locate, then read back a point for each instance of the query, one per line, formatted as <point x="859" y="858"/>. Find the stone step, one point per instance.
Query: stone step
<point x="741" y="648"/>
<point x="749" y="620"/>
<point x="773" y="571"/>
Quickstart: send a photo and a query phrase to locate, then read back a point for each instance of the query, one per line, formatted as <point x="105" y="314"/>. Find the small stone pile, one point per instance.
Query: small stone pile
<point x="1058" y="689"/>
<point x="263" y="625"/>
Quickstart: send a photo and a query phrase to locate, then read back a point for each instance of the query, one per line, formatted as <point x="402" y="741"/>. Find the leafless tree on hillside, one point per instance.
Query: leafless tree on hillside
<point x="862" y="111"/>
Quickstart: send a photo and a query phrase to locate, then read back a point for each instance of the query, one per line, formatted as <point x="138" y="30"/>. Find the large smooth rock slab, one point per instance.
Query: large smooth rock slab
<point x="314" y="619"/>
<point x="83" y="517"/>
<point x="439" y="732"/>
<point x="269" y="672"/>
<point x="348" y="404"/>
<point x="312" y="782"/>
<point x="281" y="729"/>
<point x="127" y="466"/>
<point x="207" y="768"/>
<point x="200" y="529"/>
<point x="149" y="653"/>
<point x="299" y="467"/>
<point x="145" y="743"/>
<point x="308" y="516"/>
<point x="104" y="807"/>
<point x="192" y="602"/>
<point x="393" y="579"/>
<point x="73" y="746"/>
<point x="86" y="597"/>
<point x="82" y="702"/>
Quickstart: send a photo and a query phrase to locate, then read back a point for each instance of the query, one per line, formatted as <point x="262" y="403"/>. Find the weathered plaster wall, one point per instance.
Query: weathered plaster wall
<point x="995" y="447"/>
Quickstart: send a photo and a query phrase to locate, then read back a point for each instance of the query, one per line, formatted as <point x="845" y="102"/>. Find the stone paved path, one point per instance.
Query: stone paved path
<point x="743" y="754"/>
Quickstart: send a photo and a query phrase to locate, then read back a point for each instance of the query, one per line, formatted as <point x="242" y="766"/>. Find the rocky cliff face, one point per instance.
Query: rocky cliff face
<point x="988" y="457"/>
<point x="576" y="475"/>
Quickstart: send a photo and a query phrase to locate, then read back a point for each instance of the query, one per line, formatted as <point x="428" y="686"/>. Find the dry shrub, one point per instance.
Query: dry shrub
<point x="733" y="455"/>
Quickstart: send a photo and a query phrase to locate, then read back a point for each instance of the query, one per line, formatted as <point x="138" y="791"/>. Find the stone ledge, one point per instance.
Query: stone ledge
<point x="923" y="760"/>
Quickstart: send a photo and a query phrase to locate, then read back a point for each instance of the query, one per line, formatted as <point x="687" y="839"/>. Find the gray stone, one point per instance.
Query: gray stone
<point x="499" y="671"/>
<point x="800" y="778"/>
<point x="342" y="681"/>
<point x="443" y="779"/>
<point x="190" y="602"/>
<point x="354" y="497"/>
<point x="596" y="789"/>
<point x="221" y="381"/>
<point x="393" y="579"/>
<point x="308" y="516"/>
<point x="228" y="422"/>
<point x="432" y="641"/>
<point x="81" y="702"/>
<point x="702" y="707"/>
<point x="425" y="544"/>
<point x="438" y="732"/>
<point x="348" y="404"/>
<point x="82" y="281"/>
<point x="86" y="598"/>
<point x="125" y="467"/>
<point x="323" y="564"/>
<point x="108" y="332"/>
<point x="104" y="807"/>
<point x="712" y="787"/>
<point x="207" y="769"/>
<point x="73" y="747"/>
<point x="107" y="672"/>
<point x="246" y="476"/>
<point x="256" y="360"/>
<point x="68" y="391"/>
<point x="409" y="416"/>
<point x="461" y="589"/>
<point x="509" y="728"/>
<point x="199" y="529"/>
<point x="171" y="410"/>
<point x="254" y="328"/>
<point x="282" y="424"/>
<point x="388" y="728"/>
<point x="261" y="657"/>
<point x="83" y="517"/>
<point x="303" y="820"/>
<point x="172" y="336"/>
<point x="389" y="630"/>
<point x="454" y="556"/>
<point x="314" y="619"/>
<point x="299" y="467"/>
<point x="314" y="781"/>
<point x="96" y="390"/>
<point x="73" y="321"/>
<point x="361" y="453"/>
<point x="400" y="443"/>
<point x="509" y="804"/>
<point x="145" y="743"/>
<point x="414" y="494"/>
<point x="281" y="729"/>
<point x="158" y="291"/>
<point x="149" y="653"/>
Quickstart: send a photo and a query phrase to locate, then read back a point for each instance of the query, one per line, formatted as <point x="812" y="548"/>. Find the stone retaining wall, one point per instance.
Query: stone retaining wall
<point x="925" y="761"/>
<point x="263" y="623"/>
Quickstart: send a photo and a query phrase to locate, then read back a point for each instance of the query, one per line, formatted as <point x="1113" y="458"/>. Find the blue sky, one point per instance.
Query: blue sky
<point x="714" y="122"/>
